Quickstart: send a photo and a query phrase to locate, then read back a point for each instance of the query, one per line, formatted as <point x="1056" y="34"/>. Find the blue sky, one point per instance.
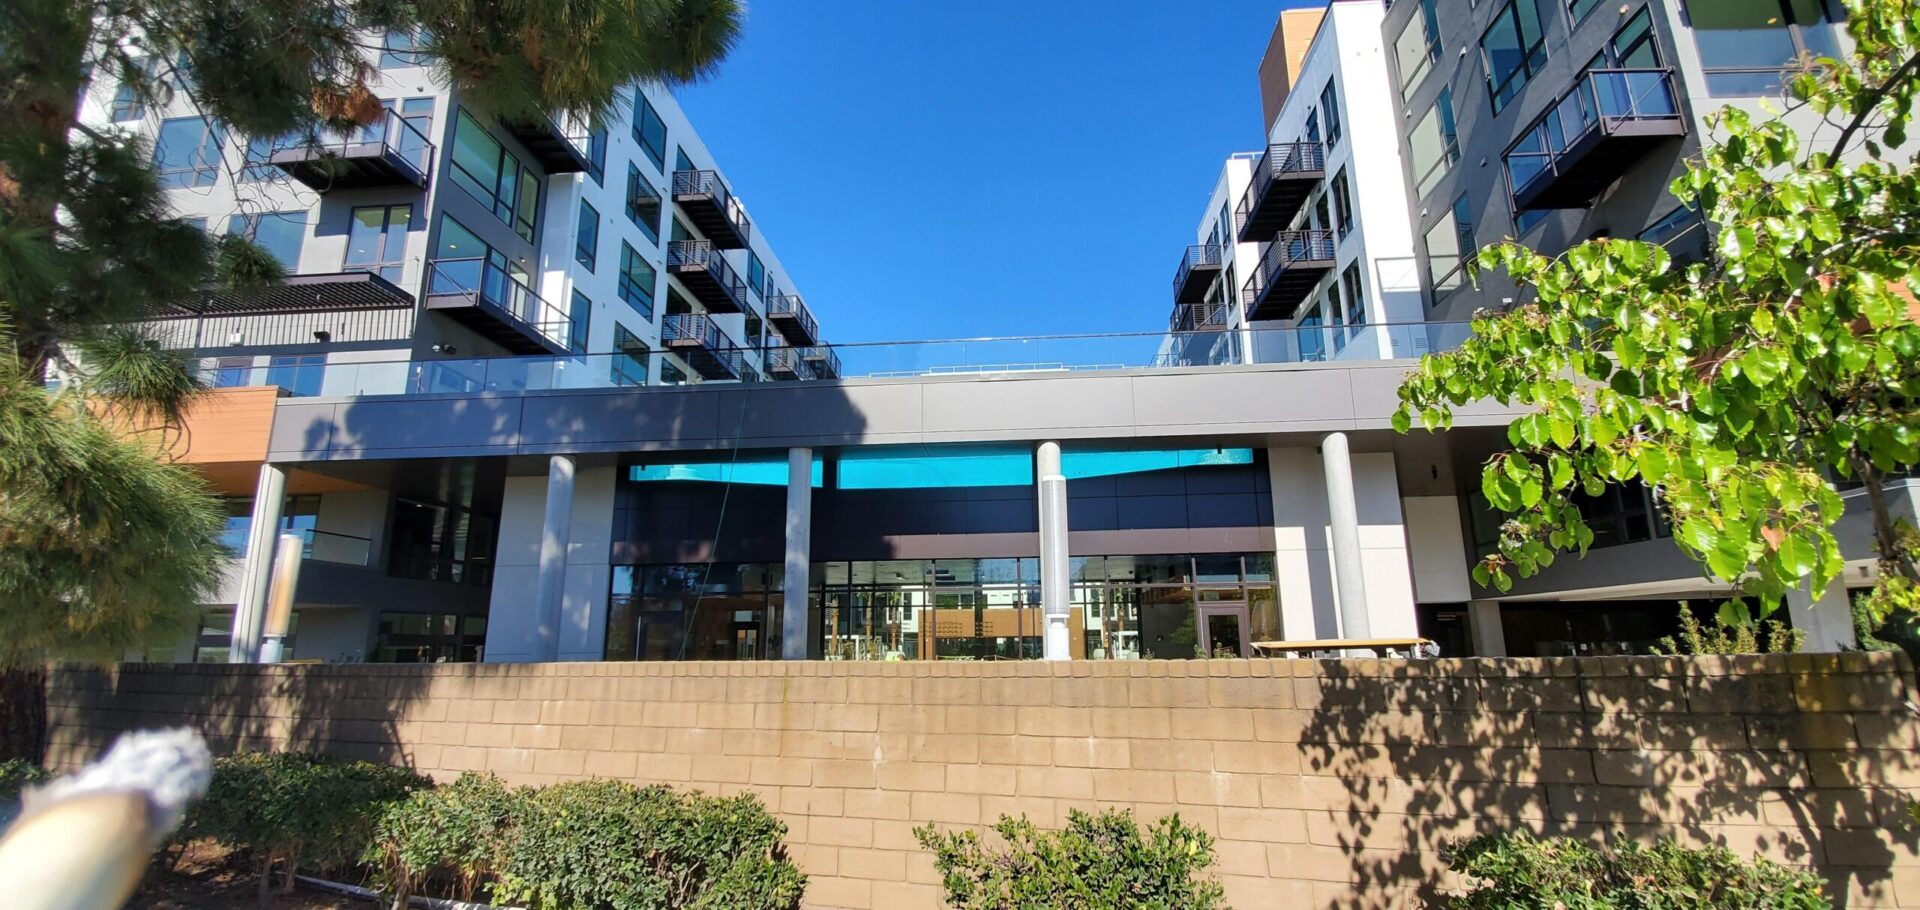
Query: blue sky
<point x="988" y="168"/>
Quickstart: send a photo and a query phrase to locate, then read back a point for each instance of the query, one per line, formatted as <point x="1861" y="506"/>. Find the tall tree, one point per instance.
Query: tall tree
<point x="1739" y="388"/>
<point x="101" y="543"/>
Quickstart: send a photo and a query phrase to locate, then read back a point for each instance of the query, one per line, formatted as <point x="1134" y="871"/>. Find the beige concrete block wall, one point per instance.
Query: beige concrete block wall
<point x="1328" y="783"/>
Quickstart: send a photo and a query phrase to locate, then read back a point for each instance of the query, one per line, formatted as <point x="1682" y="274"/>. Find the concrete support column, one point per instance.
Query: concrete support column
<point x="1051" y="491"/>
<point x="556" y="529"/>
<point x="249" y="615"/>
<point x="795" y="617"/>
<point x="1349" y="575"/>
<point x="1483" y="623"/>
<point x="1827" y="620"/>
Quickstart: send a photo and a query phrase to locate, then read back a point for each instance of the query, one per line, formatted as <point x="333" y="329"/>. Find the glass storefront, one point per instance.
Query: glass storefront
<point x="1123" y="607"/>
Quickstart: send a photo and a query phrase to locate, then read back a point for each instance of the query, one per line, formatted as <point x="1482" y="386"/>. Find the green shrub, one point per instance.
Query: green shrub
<point x="16" y="774"/>
<point x="1100" y="862"/>
<point x="457" y="832"/>
<point x="1516" y="871"/>
<point x="602" y="845"/>
<point x="310" y="811"/>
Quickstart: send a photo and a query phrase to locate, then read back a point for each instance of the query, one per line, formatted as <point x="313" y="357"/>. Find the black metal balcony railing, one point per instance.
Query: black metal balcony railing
<point x="789" y="314"/>
<point x="705" y="271"/>
<point x="1198" y="267"/>
<point x="550" y="144"/>
<point x="1199" y="317"/>
<point x="1289" y="269"/>
<point x="1591" y="135"/>
<point x="712" y="208"/>
<point x="785" y="362"/>
<point x="484" y="297"/>
<point x="705" y="348"/>
<point x="1282" y="180"/>
<point x="389" y="152"/>
<point x="826" y="363"/>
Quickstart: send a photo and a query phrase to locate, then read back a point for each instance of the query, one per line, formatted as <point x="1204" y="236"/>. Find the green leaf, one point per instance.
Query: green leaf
<point x="1796" y="555"/>
<point x="1562" y="431"/>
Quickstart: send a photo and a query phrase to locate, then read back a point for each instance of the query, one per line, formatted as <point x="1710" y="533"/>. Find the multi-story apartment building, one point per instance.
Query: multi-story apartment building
<point x="1304" y="253"/>
<point x="421" y="249"/>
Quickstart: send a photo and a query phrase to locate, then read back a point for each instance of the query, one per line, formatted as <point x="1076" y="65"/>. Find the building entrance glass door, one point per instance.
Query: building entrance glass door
<point x="1223" y="629"/>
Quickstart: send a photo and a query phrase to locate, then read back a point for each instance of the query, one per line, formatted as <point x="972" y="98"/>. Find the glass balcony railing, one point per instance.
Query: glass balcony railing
<point x="1602" y="101"/>
<point x="955" y="357"/>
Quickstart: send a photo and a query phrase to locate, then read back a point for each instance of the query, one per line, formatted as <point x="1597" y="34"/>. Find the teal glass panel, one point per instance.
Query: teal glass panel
<point x="924" y="467"/>
<point x="765" y="471"/>
<point x="1076" y="465"/>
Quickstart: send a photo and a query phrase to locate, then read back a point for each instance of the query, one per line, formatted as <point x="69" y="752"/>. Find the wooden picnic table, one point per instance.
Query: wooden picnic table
<point x="1378" y="646"/>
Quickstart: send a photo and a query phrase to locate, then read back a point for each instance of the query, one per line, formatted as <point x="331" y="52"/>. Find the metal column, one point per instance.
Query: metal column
<point x="794" y="618"/>
<point x="249" y="616"/>
<point x="555" y="532"/>
<point x="1349" y="575"/>
<point x="1051" y="490"/>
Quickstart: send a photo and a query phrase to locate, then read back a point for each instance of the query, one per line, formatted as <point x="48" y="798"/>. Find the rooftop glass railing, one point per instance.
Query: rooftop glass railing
<point x="1037" y="355"/>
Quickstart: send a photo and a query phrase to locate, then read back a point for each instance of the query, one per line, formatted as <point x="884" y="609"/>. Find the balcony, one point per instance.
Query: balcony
<point x="1201" y="264"/>
<point x="557" y="152"/>
<point x="826" y="363"/>
<point x="1602" y="127"/>
<point x="1292" y="265"/>
<point x="389" y="153"/>
<point x="788" y="363"/>
<point x="700" y="343"/>
<point x="712" y="209"/>
<point x="1199" y="317"/>
<point x="484" y="297"/>
<point x="1282" y="180"/>
<point x="706" y="273"/>
<point x="792" y="320"/>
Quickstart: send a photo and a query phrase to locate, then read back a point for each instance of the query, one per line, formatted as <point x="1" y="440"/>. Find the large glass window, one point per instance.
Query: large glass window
<point x="1342" y="204"/>
<point x="484" y="168"/>
<point x="629" y="360"/>
<point x="643" y="204"/>
<point x="756" y="273"/>
<point x="1418" y="47"/>
<point x="578" y="316"/>
<point x="401" y="49"/>
<point x="636" y="280"/>
<point x="597" y="154"/>
<point x="377" y="240"/>
<point x="586" y="236"/>
<point x="1449" y="242"/>
<point x="126" y="104"/>
<point x="1745" y="45"/>
<point x="439" y="542"/>
<point x="1433" y="144"/>
<point x="1330" y="109"/>
<point x="649" y="130"/>
<point x="299" y="374"/>
<point x="256" y="165"/>
<point x="279" y="233"/>
<point x="1514" y="48"/>
<point x="1355" y="294"/>
<point x="187" y="152"/>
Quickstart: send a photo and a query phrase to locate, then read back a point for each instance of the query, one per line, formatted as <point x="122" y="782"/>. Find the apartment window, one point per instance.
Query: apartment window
<point x="1322" y="213"/>
<point x="232" y="372"/>
<point x="597" y="154"/>
<point x="643" y="204"/>
<point x="756" y="273"/>
<point x="672" y="375"/>
<point x="279" y="233"/>
<point x="1524" y="221"/>
<point x="680" y="160"/>
<point x="126" y="104"/>
<point x="255" y="164"/>
<point x="636" y="281"/>
<point x="649" y="130"/>
<point x="299" y="374"/>
<point x="629" y="360"/>
<point x="187" y="152"/>
<point x="377" y="240"/>
<point x="756" y="330"/>
<point x="417" y="113"/>
<point x="1433" y="144"/>
<point x="1418" y="47"/>
<point x="1313" y="126"/>
<point x="1632" y="47"/>
<point x="586" y="236"/>
<point x="578" y="315"/>
<point x="400" y="49"/>
<point x="1308" y="334"/>
<point x="1330" y="106"/>
<point x="1514" y="49"/>
<point x="1745" y="45"/>
<point x="1578" y="9"/>
<point x="198" y="223"/>
<point x="439" y="542"/>
<point x="492" y="175"/>
<point x="1355" y="293"/>
<point x="1342" y="204"/>
<point x="1449" y="242"/>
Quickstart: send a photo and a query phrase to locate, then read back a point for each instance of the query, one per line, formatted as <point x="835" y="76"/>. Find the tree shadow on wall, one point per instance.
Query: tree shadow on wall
<point x="1795" y="759"/>
<point x="383" y="713"/>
